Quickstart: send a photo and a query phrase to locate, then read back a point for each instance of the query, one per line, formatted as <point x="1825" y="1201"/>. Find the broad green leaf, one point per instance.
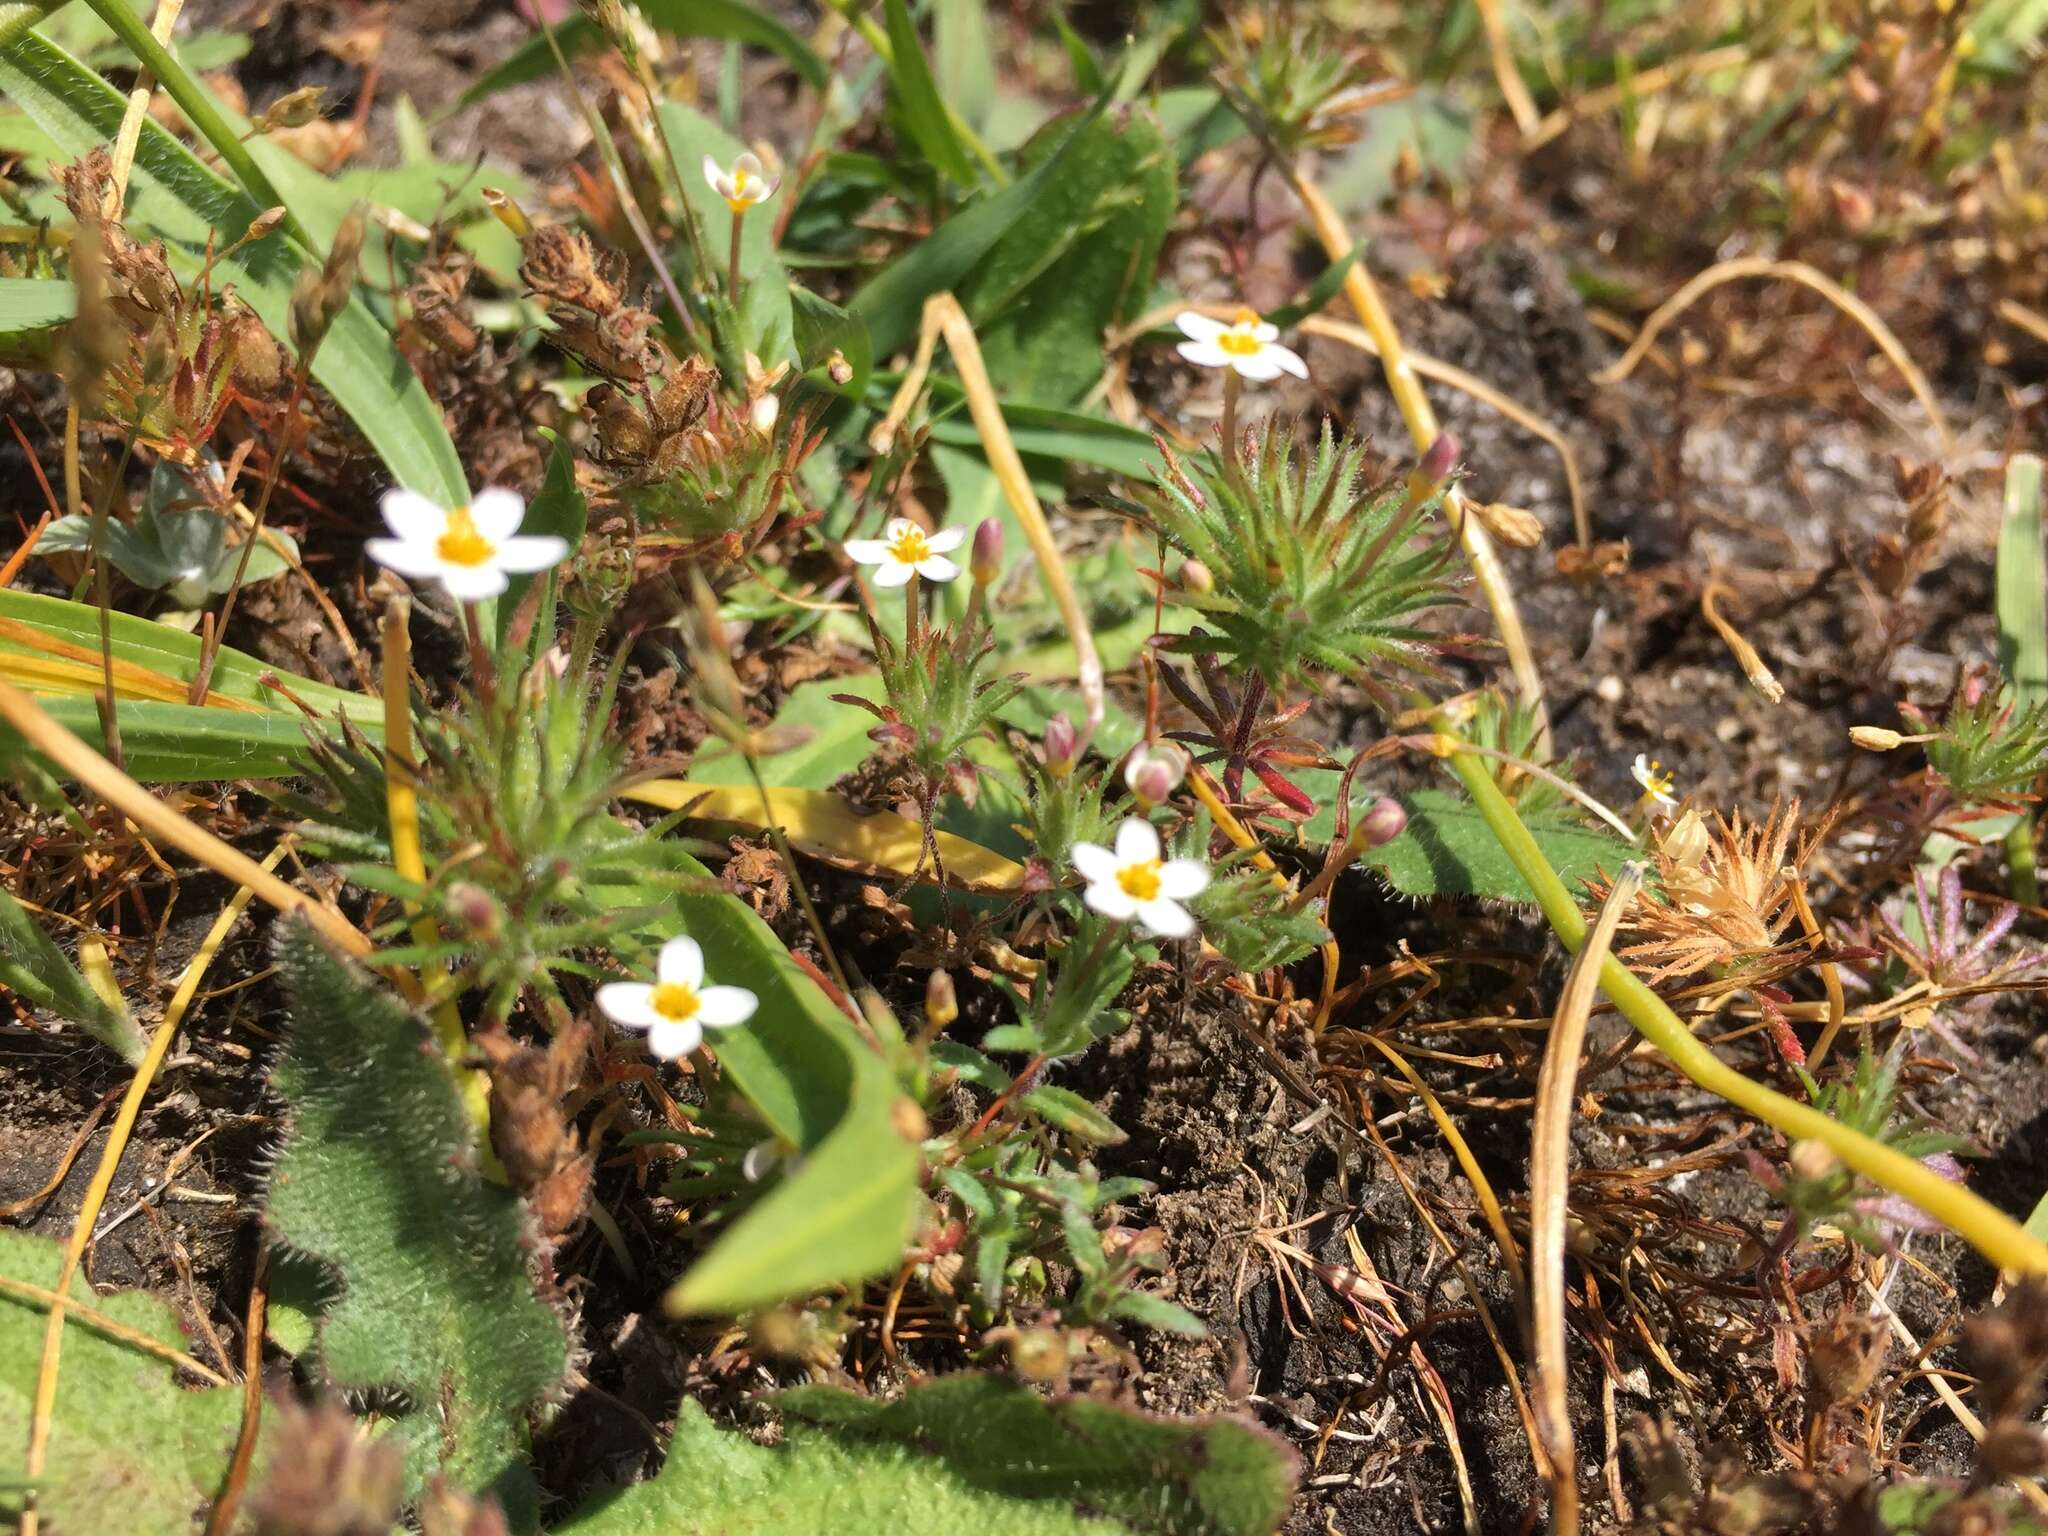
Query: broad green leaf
<point x="765" y="307"/>
<point x="32" y="304"/>
<point x="43" y="976"/>
<point x="1080" y="262"/>
<point x="131" y="1450"/>
<point x="577" y="35"/>
<point x="174" y="196"/>
<point x="918" y="103"/>
<point x="822" y="328"/>
<point x="1447" y="850"/>
<point x="963" y="1453"/>
<point x="844" y="1215"/>
<point x="378" y="1180"/>
<point x="892" y="302"/>
<point x="827" y="739"/>
<point x="192" y="744"/>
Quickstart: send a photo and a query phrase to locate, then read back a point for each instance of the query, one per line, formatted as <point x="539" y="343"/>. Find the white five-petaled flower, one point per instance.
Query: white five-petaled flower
<point x="1657" y="784"/>
<point x="906" y="550"/>
<point x="676" y="1006"/>
<point x="744" y="185"/>
<point x="470" y="550"/>
<point x="1248" y="344"/>
<point x="1134" y="881"/>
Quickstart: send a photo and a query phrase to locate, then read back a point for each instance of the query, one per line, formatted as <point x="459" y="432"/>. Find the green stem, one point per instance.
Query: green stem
<point x="1989" y="1230"/>
<point x="197" y="106"/>
<point x="2023" y="883"/>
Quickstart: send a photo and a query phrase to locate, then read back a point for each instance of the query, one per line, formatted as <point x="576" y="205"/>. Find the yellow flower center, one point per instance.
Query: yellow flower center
<point x="1140" y="882"/>
<point x="910" y="547"/>
<point x="460" y="543"/>
<point x="1656" y="781"/>
<point x="676" y="1001"/>
<point x="1241" y="340"/>
<point x="742" y="196"/>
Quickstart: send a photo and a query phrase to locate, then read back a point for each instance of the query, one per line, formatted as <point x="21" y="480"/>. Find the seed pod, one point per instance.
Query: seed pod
<point x="1039" y="1354"/>
<point x="294" y="109"/>
<point x="941" y="1001"/>
<point x="1511" y="525"/>
<point x="1875" y="738"/>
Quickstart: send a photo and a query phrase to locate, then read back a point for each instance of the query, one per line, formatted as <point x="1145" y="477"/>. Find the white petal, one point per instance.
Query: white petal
<point x="893" y="573"/>
<point x="1165" y="919"/>
<point x="1641" y="768"/>
<point x="717" y="177"/>
<point x="413" y="516"/>
<point x="1198" y="327"/>
<point x="1093" y="862"/>
<point x="944" y="540"/>
<point x="670" y="1039"/>
<point x="750" y="163"/>
<point x="1182" y="878"/>
<point x="1136" y="842"/>
<point x="723" y="1007"/>
<point x="404" y="556"/>
<point x="1289" y="361"/>
<point x="899" y="526"/>
<point x="472" y="583"/>
<point x="1111" y="900"/>
<point x="867" y="551"/>
<point x="1259" y="367"/>
<point x="1205" y="354"/>
<point x="937" y="568"/>
<point x="682" y="960"/>
<point x="630" y="1003"/>
<point x="1262" y="331"/>
<point x="525" y="552"/>
<point x="497" y="513"/>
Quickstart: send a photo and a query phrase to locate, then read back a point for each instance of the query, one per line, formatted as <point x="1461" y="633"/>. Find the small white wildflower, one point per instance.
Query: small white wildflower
<point x="1657" y="784"/>
<point x="1248" y="344"/>
<point x="1153" y="772"/>
<point x="906" y="550"/>
<point x="470" y="550"/>
<point x="744" y="185"/>
<point x="1134" y="881"/>
<point x="676" y="1007"/>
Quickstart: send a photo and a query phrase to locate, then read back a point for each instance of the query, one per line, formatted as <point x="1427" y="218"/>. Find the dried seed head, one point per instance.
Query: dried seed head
<point x="1846" y="1353"/>
<point x="1039" y="1354"/>
<point x="325" y="1475"/>
<point x="1875" y="738"/>
<point x="1511" y="525"/>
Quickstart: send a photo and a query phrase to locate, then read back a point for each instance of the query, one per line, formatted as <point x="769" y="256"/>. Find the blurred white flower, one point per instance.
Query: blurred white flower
<point x="1248" y="344"/>
<point x="1657" y="784"/>
<point x="744" y="185"/>
<point x="472" y="550"/>
<point x="1134" y="882"/>
<point x="676" y="1007"/>
<point x="906" y="550"/>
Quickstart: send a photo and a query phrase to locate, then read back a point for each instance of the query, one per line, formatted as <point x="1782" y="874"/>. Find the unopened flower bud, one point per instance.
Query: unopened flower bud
<point x="1875" y="738"/>
<point x="1387" y="820"/>
<point x="764" y="412"/>
<point x="294" y="109"/>
<point x="1062" y="745"/>
<point x="1433" y="469"/>
<point x="941" y="1002"/>
<point x="838" y="369"/>
<point x="1154" y="772"/>
<point x="473" y="907"/>
<point x="1511" y="525"/>
<point x="985" y="563"/>
<point x="507" y="211"/>
<point x="1812" y="1160"/>
<point x="1196" y="577"/>
<point x="1039" y="1354"/>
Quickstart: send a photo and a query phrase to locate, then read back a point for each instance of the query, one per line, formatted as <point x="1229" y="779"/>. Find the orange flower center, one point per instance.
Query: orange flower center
<point x="1140" y="882"/>
<point x="460" y="543"/>
<point x="910" y="547"/>
<point x="675" y="1001"/>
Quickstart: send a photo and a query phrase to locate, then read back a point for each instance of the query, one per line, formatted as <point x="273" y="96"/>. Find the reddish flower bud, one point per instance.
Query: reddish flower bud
<point x="1062" y="745"/>
<point x="1387" y="820"/>
<point x="985" y="562"/>
<point x="1155" y="772"/>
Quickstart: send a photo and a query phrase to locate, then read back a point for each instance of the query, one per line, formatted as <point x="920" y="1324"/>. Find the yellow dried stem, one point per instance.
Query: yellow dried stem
<point x="1500" y="49"/>
<point x="1792" y="272"/>
<point x="130" y="136"/>
<point x="1549" y="1199"/>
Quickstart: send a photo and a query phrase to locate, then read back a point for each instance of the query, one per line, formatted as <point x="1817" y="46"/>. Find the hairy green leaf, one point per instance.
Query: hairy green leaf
<point x="130" y="1450"/>
<point x="963" y="1453"/>
<point x="378" y="1180"/>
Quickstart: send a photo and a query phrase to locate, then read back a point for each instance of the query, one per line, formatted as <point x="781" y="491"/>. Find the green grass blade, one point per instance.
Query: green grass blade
<point x="918" y="100"/>
<point x="2023" y="634"/>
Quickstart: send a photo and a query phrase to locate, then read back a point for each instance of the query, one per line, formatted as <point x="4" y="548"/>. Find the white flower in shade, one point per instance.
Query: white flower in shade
<point x="1657" y="784"/>
<point x="1134" y="881"/>
<point x="744" y="185"/>
<point x="470" y="550"/>
<point x="676" y="1007"/>
<point x="1248" y="344"/>
<point x="906" y="550"/>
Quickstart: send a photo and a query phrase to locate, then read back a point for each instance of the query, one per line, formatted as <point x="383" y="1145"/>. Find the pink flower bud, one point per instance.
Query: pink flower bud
<point x="1441" y="459"/>
<point x="1155" y="772"/>
<point x="985" y="563"/>
<point x="1387" y="820"/>
<point x="1196" y="576"/>
<point x="1062" y="745"/>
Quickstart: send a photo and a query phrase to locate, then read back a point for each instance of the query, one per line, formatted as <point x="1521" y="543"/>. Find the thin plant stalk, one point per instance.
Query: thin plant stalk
<point x="1987" y="1229"/>
<point x="1549" y="1201"/>
<point x="125" y="142"/>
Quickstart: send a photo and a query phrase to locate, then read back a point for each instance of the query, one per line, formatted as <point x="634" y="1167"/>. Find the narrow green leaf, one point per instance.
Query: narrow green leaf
<point x="846" y="1212"/>
<point x="962" y="60"/>
<point x="922" y="109"/>
<point x="29" y="304"/>
<point x="191" y="744"/>
<point x="192" y="208"/>
<point x="43" y="976"/>
<point x="2023" y="583"/>
<point x="1066" y="1110"/>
